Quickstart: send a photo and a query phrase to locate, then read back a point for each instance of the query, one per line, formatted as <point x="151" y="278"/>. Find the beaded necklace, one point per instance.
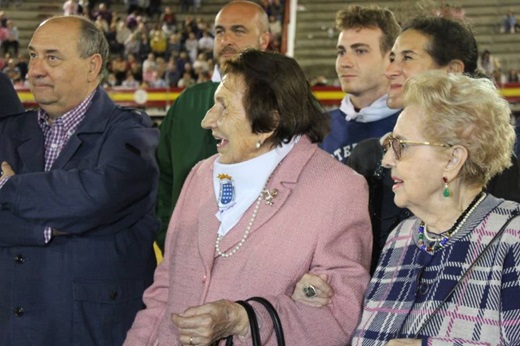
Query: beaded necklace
<point x="266" y="194"/>
<point x="246" y="232"/>
<point x="440" y="242"/>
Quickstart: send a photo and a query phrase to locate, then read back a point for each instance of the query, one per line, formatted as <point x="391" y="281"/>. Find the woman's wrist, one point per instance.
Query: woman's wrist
<point x="239" y="314"/>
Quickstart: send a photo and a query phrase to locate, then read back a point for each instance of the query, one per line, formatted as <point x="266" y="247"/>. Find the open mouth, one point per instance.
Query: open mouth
<point x="221" y="142"/>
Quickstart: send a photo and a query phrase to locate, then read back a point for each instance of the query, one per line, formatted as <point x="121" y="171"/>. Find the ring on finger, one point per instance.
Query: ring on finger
<point x="310" y="291"/>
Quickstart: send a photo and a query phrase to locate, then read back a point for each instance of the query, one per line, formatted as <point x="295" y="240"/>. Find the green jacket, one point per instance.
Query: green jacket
<point x="183" y="143"/>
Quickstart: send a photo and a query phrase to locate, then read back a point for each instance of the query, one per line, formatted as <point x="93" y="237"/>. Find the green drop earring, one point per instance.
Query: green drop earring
<point x="446" y="192"/>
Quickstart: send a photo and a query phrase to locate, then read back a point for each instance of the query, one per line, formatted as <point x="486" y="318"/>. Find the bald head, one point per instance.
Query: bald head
<point x="90" y="39"/>
<point x="240" y="25"/>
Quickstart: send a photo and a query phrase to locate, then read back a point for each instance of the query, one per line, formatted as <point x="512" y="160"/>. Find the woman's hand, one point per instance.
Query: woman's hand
<point x="319" y="284"/>
<point x="204" y="324"/>
<point x="404" y="342"/>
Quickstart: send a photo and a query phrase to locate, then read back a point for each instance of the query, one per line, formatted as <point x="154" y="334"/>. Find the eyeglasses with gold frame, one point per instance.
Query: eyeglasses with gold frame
<point x="398" y="144"/>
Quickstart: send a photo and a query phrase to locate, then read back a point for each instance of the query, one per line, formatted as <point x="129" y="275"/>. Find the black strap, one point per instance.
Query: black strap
<point x="514" y="214"/>
<point x="253" y="324"/>
<point x="277" y="323"/>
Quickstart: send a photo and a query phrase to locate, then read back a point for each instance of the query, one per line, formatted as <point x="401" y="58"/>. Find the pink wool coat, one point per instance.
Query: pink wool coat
<point x="319" y="222"/>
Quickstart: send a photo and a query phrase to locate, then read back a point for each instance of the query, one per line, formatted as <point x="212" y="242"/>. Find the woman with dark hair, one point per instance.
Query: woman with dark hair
<point x="252" y="219"/>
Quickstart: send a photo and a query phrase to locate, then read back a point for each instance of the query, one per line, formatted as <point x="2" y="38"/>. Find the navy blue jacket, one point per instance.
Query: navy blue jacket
<point x="345" y="135"/>
<point x="9" y="101"/>
<point x="84" y="287"/>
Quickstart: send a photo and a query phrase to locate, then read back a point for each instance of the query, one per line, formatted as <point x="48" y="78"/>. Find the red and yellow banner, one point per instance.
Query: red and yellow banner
<point x="163" y="98"/>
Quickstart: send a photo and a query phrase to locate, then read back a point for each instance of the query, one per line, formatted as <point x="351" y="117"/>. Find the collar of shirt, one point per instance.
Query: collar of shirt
<point x="69" y="120"/>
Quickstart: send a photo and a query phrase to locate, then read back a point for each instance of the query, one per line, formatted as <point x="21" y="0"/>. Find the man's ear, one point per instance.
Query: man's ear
<point x="95" y="66"/>
<point x="455" y="66"/>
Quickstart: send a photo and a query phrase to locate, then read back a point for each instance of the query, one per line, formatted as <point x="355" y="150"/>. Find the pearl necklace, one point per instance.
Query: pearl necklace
<point x="246" y="232"/>
<point x="441" y="242"/>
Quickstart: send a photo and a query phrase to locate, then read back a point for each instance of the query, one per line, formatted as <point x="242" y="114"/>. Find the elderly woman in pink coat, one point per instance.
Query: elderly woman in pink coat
<point x="253" y="219"/>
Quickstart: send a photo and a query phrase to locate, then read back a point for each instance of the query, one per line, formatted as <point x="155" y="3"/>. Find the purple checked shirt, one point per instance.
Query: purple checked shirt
<point x="56" y="134"/>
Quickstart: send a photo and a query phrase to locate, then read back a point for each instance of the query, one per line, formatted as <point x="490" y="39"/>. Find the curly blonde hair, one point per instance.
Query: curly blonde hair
<point x="460" y="110"/>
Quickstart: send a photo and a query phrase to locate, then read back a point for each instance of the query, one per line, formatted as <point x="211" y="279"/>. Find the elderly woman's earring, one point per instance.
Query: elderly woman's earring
<point x="258" y="144"/>
<point x="446" y="192"/>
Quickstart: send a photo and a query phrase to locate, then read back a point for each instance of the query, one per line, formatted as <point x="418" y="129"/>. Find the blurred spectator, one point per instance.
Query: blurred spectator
<point x="266" y="6"/>
<point x="172" y="75"/>
<point x="191" y="45"/>
<point x="115" y="46"/>
<point x="202" y="25"/>
<point x="275" y="28"/>
<point x="174" y="46"/>
<point x="3" y="19"/>
<point x="11" y="39"/>
<point x="23" y="66"/>
<point x="498" y="77"/>
<point x="132" y="45"/>
<point x="12" y="71"/>
<point x="149" y="62"/>
<point x="509" y="23"/>
<point x="181" y="61"/>
<point x="160" y="66"/>
<point x="158" y="42"/>
<point x="102" y="24"/>
<point x="512" y="76"/>
<point x="277" y="9"/>
<point x="70" y="8"/>
<point x="186" y="80"/>
<point x="205" y="44"/>
<point x="119" y="68"/>
<point x="201" y="62"/>
<point x="123" y="32"/>
<point x="189" y="25"/>
<point x="104" y="12"/>
<point x="487" y="63"/>
<point x="157" y="81"/>
<point x="148" y="74"/>
<point x="130" y="81"/>
<point x="110" y="81"/>
<point x="131" y="20"/>
<point x="168" y="21"/>
<point x="144" y="46"/>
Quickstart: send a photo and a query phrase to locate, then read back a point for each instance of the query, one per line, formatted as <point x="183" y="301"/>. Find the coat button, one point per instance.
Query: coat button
<point x="18" y="311"/>
<point x="114" y="295"/>
<point x="19" y="259"/>
<point x="204" y="279"/>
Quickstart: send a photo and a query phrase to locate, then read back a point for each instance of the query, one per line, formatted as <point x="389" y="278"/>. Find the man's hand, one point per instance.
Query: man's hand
<point x="7" y="170"/>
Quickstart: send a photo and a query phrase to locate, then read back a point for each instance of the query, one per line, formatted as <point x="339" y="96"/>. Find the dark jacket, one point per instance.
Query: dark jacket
<point x="9" y="100"/>
<point x="84" y="287"/>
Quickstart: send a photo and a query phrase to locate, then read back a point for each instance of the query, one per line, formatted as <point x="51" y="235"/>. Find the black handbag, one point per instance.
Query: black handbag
<point x="253" y="322"/>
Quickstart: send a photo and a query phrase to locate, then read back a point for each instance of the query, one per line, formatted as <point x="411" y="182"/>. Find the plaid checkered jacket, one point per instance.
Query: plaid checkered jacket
<point x="409" y="284"/>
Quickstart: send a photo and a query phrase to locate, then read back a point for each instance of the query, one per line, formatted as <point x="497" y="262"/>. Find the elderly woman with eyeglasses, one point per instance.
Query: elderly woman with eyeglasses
<point x="450" y="274"/>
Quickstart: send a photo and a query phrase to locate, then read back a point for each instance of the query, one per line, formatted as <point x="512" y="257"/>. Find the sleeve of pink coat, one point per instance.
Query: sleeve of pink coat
<point x="343" y="253"/>
<point x="145" y="326"/>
